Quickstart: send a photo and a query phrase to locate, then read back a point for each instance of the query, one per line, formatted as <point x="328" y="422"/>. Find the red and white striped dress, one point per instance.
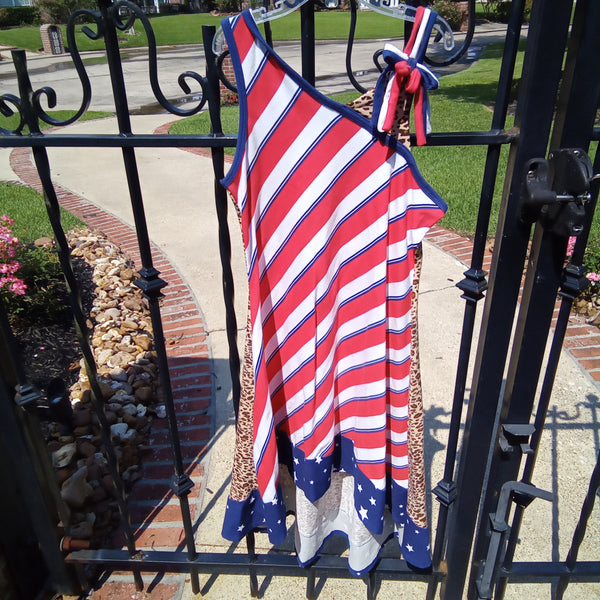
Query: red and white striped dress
<point x="331" y="214"/>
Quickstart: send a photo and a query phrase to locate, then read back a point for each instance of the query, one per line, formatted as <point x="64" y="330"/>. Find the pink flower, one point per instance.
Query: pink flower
<point x="594" y="277"/>
<point x="571" y="245"/>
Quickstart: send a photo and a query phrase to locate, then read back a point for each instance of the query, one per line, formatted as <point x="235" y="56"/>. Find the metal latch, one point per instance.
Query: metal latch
<point x="556" y="190"/>
<point x="516" y="435"/>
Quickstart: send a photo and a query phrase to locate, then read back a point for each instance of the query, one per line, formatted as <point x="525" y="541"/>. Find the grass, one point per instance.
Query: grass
<point x="172" y="30"/>
<point x="27" y="208"/>
<point x="10" y="123"/>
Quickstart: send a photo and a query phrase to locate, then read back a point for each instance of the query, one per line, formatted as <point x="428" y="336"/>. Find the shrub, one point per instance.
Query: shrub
<point x="43" y="300"/>
<point x="57" y="12"/>
<point x="17" y="16"/>
<point x="228" y="6"/>
<point x="451" y="11"/>
<point x="499" y="10"/>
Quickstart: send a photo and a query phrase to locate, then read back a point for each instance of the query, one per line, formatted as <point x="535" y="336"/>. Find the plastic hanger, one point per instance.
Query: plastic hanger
<point x="405" y="12"/>
<point x="391" y="8"/>
<point x="261" y="15"/>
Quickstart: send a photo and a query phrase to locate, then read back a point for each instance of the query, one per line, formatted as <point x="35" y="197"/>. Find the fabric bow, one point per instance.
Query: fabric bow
<point x="404" y="72"/>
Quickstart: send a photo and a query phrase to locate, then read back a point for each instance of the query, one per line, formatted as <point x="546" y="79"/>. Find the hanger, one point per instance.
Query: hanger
<point x="398" y="10"/>
<point x="261" y="15"/>
<point x="391" y="8"/>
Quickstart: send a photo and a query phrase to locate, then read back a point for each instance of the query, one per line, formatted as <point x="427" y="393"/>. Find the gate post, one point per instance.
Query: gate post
<point x="541" y="74"/>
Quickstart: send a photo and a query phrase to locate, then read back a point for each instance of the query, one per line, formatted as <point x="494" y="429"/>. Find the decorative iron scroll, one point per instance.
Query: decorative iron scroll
<point x="119" y="16"/>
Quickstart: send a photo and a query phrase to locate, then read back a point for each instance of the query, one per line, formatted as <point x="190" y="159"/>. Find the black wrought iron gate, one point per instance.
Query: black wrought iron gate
<point x="549" y="195"/>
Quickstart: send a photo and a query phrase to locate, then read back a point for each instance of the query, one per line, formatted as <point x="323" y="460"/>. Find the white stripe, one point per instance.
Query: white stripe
<point x="398" y="437"/>
<point x="362" y="391"/>
<point x="363" y="424"/>
<point x="399" y="323"/>
<point x="399" y="288"/>
<point x="398" y="461"/>
<point x="362" y="357"/>
<point x="269" y="117"/>
<point x="385" y="102"/>
<point x="295" y="402"/>
<point x="252" y="62"/>
<point x="398" y="385"/>
<point x="370" y="454"/>
<point x="399" y="355"/>
<point x="420" y="34"/>
<point x="397" y="412"/>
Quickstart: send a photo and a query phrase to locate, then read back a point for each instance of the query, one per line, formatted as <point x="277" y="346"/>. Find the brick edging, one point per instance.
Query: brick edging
<point x="155" y="514"/>
<point x="582" y="341"/>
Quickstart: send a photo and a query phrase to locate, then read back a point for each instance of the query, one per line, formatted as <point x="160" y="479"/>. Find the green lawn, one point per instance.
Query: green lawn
<point x="187" y="29"/>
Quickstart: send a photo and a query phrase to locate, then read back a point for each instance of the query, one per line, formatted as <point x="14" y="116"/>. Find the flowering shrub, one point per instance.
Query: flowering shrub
<point x="9" y="244"/>
<point x="591" y="264"/>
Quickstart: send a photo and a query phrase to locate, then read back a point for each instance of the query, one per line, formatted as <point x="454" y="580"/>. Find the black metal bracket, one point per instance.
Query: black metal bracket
<point x="516" y="435"/>
<point x="556" y="190"/>
<point x="488" y="570"/>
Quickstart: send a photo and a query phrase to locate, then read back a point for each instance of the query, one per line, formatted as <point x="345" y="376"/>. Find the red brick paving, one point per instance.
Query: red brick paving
<point x="152" y="503"/>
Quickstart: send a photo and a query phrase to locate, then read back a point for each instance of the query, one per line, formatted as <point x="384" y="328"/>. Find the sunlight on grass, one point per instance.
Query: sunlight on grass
<point x="28" y="209"/>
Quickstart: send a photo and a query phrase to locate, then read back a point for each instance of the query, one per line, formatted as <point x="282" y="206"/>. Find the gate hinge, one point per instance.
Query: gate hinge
<point x="516" y="435"/>
<point x="556" y="190"/>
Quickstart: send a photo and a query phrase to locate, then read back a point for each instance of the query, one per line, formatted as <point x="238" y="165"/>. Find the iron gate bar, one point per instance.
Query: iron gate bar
<point x="573" y="283"/>
<point x="541" y="72"/>
<point x="221" y="204"/>
<point x="579" y="534"/>
<point x="40" y="157"/>
<point x="27" y="481"/>
<point x="544" y="572"/>
<point x="239" y="564"/>
<point x="149" y="282"/>
<point x="475" y="283"/>
<point x="545" y="273"/>
<point x="133" y="140"/>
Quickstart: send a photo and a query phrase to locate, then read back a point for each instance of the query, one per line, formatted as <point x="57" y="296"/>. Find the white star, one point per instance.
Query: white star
<point x="409" y="548"/>
<point x="363" y="513"/>
<point x="428" y="547"/>
<point x="240" y="528"/>
<point x="318" y="460"/>
<point x="372" y="501"/>
<point x="417" y="531"/>
<point x="252" y="499"/>
<point x="324" y="470"/>
<point x="359" y="487"/>
<point x="312" y="482"/>
<point x="274" y="501"/>
<point x="279" y="522"/>
<point x="296" y="461"/>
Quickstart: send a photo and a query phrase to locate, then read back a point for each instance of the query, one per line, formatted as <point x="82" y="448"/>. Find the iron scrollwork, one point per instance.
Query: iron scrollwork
<point x="121" y="15"/>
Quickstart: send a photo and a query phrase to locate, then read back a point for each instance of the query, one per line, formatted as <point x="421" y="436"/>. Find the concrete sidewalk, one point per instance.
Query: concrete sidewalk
<point x="177" y="187"/>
